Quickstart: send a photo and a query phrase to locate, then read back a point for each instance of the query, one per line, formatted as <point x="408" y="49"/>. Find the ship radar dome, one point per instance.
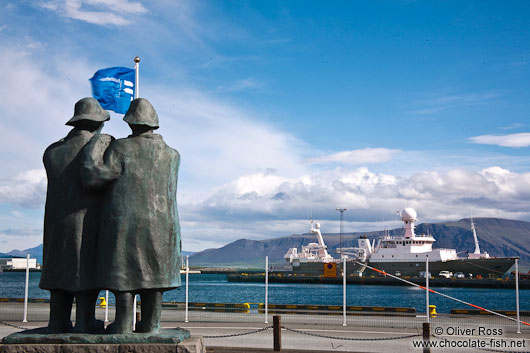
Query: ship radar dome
<point x="409" y="214"/>
<point x="317" y="225"/>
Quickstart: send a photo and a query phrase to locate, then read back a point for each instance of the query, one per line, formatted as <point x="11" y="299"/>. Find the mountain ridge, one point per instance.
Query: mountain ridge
<point x="499" y="237"/>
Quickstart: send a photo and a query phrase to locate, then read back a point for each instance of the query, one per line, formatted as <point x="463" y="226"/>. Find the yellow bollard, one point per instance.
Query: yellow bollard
<point x="432" y="311"/>
<point x="102" y="302"/>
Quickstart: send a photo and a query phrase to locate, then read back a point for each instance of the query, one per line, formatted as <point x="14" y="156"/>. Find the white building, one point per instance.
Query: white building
<point x="18" y="263"/>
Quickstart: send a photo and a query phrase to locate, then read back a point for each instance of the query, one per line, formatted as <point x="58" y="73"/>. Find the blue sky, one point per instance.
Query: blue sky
<point x="279" y="108"/>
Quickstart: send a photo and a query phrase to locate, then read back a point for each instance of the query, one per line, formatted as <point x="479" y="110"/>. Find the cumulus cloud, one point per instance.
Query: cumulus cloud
<point x="250" y="207"/>
<point x="361" y="156"/>
<point x="219" y="142"/>
<point x="104" y="12"/>
<point x="27" y="189"/>
<point x="512" y="140"/>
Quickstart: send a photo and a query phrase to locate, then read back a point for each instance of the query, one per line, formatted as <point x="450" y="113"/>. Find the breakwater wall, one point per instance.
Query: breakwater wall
<point x="388" y="281"/>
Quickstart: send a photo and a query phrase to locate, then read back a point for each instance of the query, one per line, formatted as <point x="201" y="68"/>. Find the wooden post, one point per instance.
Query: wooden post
<point x="426" y="336"/>
<point x="277" y="332"/>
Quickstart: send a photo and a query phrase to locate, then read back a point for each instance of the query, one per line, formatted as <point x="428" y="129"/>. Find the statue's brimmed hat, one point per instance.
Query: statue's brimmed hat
<point x="88" y="109"/>
<point x="141" y="112"/>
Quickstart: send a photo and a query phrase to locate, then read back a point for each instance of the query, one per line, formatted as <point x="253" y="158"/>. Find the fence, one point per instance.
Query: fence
<point x="344" y="300"/>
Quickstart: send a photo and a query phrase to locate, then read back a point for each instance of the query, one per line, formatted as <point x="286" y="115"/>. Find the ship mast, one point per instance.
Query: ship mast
<point x="315" y="229"/>
<point x="477" y="248"/>
<point x="409" y="216"/>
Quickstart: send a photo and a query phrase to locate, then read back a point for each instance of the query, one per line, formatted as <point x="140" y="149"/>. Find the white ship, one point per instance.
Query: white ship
<point x="312" y="252"/>
<point x="313" y="259"/>
<point x="407" y="254"/>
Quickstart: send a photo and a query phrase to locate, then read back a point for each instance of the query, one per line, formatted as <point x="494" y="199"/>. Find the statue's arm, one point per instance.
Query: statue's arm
<point x="100" y="164"/>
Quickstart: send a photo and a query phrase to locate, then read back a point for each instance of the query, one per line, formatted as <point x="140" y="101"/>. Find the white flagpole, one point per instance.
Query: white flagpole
<point x="427" y="288"/>
<point x="343" y="290"/>
<point x="136" y="77"/>
<point x="26" y="291"/>
<point x="517" y="294"/>
<point x="136" y="94"/>
<point x="187" y="289"/>
<point x="107" y="306"/>
<point x="266" y="289"/>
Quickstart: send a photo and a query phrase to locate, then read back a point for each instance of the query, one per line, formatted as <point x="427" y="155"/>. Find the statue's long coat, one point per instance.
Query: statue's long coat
<point x="139" y="238"/>
<point x="71" y="218"/>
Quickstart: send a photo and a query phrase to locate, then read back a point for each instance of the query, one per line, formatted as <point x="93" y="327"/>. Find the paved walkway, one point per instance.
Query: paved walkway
<point x="363" y="334"/>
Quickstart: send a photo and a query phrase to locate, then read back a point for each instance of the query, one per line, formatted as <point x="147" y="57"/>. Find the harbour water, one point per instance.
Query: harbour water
<point x="214" y="288"/>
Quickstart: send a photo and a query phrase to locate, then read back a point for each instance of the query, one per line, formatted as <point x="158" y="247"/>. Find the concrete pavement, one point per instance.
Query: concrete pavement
<point x="363" y="334"/>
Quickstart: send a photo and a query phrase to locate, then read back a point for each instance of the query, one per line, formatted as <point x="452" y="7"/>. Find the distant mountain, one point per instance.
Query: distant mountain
<point x="4" y="255"/>
<point x="499" y="237"/>
<point x="35" y="252"/>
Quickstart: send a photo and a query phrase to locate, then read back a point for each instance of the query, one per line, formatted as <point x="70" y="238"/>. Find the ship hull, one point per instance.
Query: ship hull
<point x="487" y="268"/>
<point x="322" y="269"/>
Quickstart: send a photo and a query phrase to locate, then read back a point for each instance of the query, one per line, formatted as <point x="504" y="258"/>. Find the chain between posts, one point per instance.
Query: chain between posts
<point x="240" y="334"/>
<point x="498" y="351"/>
<point x="350" y="338"/>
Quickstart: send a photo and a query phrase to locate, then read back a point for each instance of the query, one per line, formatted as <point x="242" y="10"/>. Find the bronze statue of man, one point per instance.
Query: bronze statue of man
<point x="71" y="223"/>
<point x="139" y="237"/>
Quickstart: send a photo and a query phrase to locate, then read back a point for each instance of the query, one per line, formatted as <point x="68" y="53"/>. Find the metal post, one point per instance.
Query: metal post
<point x="426" y="337"/>
<point x="26" y="291"/>
<point x="277" y="332"/>
<point x="187" y="280"/>
<point x="107" y="306"/>
<point x="517" y="294"/>
<point x="134" y="312"/>
<point x="341" y="210"/>
<point x="136" y="77"/>
<point x="266" y="289"/>
<point x="344" y="291"/>
<point x="427" y="288"/>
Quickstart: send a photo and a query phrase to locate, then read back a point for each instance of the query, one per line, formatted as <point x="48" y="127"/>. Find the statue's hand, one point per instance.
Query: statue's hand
<point x="95" y="172"/>
<point x="99" y="144"/>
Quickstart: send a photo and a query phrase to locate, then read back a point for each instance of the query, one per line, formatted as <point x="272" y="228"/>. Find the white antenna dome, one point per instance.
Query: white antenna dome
<point x="409" y="214"/>
<point x="317" y="225"/>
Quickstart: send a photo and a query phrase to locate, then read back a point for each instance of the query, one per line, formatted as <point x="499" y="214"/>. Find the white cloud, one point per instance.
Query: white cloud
<point x="38" y="98"/>
<point x="19" y="240"/>
<point x="241" y="85"/>
<point x="260" y="205"/>
<point x="441" y="103"/>
<point x="27" y="189"/>
<point x="218" y="141"/>
<point x="512" y="140"/>
<point x="109" y="12"/>
<point x="361" y="156"/>
<point x="511" y="126"/>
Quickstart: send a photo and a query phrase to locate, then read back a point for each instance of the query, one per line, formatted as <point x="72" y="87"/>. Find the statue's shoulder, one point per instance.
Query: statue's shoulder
<point x="120" y="143"/>
<point x="169" y="149"/>
<point x="53" y="149"/>
<point x="106" y="138"/>
<point x="53" y="146"/>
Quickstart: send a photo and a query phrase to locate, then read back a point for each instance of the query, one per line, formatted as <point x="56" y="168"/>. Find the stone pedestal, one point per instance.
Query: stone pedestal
<point x="39" y="341"/>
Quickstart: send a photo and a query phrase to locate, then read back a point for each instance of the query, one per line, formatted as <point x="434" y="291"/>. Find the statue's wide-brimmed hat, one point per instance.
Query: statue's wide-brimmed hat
<point x="88" y="109"/>
<point x="141" y="112"/>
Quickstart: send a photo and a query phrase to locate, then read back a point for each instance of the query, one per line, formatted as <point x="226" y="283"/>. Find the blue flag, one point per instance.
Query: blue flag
<point x="114" y="88"/>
